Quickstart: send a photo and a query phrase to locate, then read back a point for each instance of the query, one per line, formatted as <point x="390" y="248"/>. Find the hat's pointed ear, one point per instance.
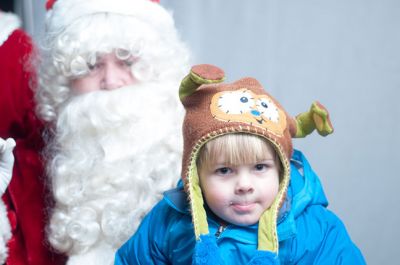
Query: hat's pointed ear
<point x="199" y="75"/>
<point x="316" y="118"/>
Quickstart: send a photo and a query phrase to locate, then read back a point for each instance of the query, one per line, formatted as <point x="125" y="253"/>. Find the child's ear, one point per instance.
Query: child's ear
<point x="200" y="75"/>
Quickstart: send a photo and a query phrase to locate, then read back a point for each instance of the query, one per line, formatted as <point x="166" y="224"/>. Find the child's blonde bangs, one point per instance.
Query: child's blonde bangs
<point x="236" y="149"/>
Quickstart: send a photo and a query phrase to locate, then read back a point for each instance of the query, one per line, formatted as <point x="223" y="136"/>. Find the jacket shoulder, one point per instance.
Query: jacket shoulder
<point x="177" y="199"/>
<point x="321" y="238"/>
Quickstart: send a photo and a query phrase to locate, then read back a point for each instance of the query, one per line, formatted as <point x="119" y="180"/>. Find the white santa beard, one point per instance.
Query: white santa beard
<point x="116" y="152"/>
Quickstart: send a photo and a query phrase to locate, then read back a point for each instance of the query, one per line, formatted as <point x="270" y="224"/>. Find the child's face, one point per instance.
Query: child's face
<point x="109" y="72"/>
<point x="239" y="194"/>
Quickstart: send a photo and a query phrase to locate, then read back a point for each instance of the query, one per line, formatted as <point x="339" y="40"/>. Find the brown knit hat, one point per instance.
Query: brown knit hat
<point x="214" y="109"/>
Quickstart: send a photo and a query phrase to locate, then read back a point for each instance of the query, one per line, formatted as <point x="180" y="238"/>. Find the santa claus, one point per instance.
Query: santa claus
<point x="8" y="24"/>
<point x="6" y="162"/>
<point x="108" y="81"/>
<point x="22" y="220"/>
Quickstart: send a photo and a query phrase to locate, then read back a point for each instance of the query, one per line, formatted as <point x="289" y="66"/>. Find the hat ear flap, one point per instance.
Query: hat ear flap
<point x="316" y="118"/>
<point x="200" y="75"/>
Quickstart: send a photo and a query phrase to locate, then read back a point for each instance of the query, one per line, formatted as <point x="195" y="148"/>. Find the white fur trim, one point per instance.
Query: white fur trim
<point x="5" y="232"/>
<point x="65" y="12"/>
<point x="8" y="23"/>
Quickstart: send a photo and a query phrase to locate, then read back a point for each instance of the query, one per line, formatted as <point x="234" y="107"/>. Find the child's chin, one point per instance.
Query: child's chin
<point x="244" y="222"/>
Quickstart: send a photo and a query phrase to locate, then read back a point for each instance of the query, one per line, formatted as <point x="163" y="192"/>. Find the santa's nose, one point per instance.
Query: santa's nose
<point x="113" y="78"/>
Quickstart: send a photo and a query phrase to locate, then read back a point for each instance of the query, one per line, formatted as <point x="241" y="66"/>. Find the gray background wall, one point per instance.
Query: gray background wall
<point x="344" y="53"/>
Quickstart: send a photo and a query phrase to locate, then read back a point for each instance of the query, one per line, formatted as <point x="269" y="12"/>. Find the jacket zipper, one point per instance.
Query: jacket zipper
<point x="220" y="230"/>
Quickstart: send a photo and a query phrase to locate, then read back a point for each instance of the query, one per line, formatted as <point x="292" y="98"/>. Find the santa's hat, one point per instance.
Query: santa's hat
<point x="8" y="23"/>
<point x="62" y="13"/>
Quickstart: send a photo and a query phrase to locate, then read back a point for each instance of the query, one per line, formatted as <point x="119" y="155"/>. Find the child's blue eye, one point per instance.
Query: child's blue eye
<point x="244" y="99"/>
<point x="260" y="167"/>
<point x="223" y="170"/>
<point x="264" y="104"/>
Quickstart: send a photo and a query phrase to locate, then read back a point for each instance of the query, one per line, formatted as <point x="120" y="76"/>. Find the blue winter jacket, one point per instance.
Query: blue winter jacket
<point x="308" y="232"/>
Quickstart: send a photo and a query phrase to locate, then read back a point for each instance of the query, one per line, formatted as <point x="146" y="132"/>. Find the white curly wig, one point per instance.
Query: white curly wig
<point x="111" y="153"/>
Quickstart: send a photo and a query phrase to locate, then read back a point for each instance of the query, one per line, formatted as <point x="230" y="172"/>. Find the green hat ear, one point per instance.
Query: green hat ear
<point x="199" y="75"/>
<point x="316" y="118"/>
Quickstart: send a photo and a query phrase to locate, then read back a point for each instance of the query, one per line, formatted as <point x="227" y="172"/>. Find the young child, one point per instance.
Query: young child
<point x="247" y="198"/>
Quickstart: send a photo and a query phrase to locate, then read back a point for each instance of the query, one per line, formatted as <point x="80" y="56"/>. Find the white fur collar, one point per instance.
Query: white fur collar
<point x="5" y="232"/>
<point x="8" y="23"/>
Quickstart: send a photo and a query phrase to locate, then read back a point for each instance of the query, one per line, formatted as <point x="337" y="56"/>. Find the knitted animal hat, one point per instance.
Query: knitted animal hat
<point x="62" y="13"/>
<point x="214" y="109"/>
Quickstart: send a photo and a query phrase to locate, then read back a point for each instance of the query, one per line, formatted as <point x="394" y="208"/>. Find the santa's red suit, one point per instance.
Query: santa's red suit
<point x="26" y="196"/>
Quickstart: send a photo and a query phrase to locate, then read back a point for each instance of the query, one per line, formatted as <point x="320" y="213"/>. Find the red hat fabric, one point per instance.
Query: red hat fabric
<point x="50" y="3"/>
<point x="62" y="13"/>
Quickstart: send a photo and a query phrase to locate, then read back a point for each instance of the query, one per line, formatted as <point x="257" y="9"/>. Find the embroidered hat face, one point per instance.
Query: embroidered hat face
<point x="243" y="105"/>
<point x="214" y="109"/>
